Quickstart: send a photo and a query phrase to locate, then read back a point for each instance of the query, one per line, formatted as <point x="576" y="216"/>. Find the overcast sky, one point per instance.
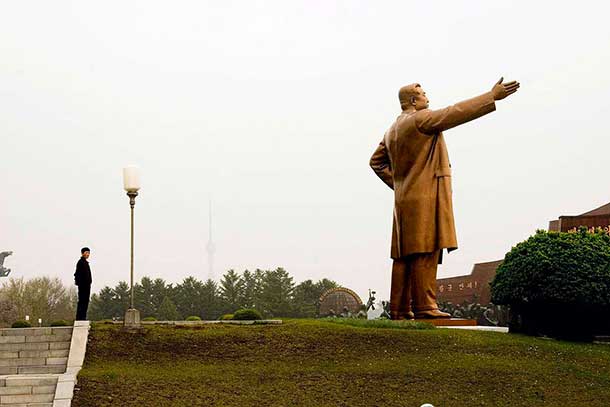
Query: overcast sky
<point x="273" y="109"/>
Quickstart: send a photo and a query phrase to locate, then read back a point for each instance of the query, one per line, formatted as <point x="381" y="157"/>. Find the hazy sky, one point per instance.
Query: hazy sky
<point x="273" y="110"/>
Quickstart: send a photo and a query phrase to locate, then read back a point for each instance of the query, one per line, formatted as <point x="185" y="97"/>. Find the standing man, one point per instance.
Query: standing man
<point x="82" y="278"/>
<point x="412" y="159"/>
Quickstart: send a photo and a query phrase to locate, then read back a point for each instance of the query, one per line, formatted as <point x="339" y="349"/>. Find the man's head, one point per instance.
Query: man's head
<point x="85" y="252"/>
<point x="413" y="97"/>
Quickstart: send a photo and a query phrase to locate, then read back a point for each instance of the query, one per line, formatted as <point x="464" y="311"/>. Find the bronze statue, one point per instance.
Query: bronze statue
<point x="4" y="272"/>
<point x="412" y="159"/>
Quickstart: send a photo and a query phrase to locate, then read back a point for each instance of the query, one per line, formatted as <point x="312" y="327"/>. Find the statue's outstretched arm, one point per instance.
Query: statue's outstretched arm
<point x="434" y="121"/>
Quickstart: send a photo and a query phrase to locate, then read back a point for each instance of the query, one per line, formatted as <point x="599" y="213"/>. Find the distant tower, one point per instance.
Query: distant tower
<point x="210" y="247"/>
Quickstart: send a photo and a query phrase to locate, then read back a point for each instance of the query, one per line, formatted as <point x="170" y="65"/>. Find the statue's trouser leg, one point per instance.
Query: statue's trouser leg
<point x="423" y="267"/>
<point x="400" y="292"/>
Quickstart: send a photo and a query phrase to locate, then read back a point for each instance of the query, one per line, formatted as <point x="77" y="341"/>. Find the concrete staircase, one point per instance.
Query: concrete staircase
<point x="31" y="360"/>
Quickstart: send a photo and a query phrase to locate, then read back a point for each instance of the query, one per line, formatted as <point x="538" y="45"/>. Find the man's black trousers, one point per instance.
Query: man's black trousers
<point x="83" y="302"/>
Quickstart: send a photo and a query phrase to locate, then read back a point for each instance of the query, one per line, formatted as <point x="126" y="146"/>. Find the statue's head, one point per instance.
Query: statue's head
<point x="413" y="97"/>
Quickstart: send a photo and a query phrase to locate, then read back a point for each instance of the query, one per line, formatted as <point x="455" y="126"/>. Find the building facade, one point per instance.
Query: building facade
<point x="474" y="288"/>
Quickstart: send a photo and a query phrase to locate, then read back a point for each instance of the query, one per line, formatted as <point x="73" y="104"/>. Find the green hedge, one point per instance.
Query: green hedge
<point x="61" y="322"/>
<point x="557" y="284"/>
<point x="193" y="318"/>
<point x="21" y="324"/>
<point x="247" y="315"/>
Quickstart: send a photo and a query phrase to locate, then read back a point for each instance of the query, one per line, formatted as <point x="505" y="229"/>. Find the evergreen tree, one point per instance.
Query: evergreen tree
<point x="276" y="295"/>
<point x="306" y="298"/>
<point x="102" y="305"/>
<point x="189" y="297"/>
<point x="231" y="291"/>
<point x="167" y="311"/>
<point x="211" y="303"/>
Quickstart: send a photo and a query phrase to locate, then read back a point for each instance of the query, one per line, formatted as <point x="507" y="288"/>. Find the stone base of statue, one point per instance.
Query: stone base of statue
<point x="448" y="321"/>
<point x="132" y="318"/>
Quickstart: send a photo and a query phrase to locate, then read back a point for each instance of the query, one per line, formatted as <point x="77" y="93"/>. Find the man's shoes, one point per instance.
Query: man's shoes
<point x="431" y="314"/>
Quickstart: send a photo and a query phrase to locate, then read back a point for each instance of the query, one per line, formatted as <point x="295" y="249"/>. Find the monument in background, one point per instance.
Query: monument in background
<point x="340" y="301"/>
<point x="4" y="272"/>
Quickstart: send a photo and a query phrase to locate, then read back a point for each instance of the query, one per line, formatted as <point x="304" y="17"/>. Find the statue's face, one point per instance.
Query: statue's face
<point x="421" y="100"/>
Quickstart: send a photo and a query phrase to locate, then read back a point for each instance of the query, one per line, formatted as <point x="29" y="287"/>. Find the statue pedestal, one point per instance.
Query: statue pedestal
<point x="449" y="321"/>
<point x="132" y="318"/>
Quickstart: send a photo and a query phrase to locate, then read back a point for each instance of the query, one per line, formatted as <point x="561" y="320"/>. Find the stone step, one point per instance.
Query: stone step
<point x="18" y="347"/>
<point x="19" y="362"/>
<point x="15" y="390"/>
<point x="48" y="369"/>
<point x="61" y="353"/>
<point x="27" y="391"/>
<point x="64" y="330"/>
<point x="26" y="399"/>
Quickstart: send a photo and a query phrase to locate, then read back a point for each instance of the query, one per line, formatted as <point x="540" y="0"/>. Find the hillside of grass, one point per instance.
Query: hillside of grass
<point x="321" y="363"/>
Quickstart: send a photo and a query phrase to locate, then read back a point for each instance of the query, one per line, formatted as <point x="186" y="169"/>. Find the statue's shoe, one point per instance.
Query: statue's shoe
<point x="402" y="316"/>
<point x="431" y="314"/>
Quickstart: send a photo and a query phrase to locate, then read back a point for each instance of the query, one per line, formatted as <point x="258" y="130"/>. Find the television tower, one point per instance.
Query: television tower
<point x="210" y="247"/>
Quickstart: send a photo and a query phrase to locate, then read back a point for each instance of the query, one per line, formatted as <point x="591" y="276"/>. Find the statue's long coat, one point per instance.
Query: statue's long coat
<point x="412" y="159"/>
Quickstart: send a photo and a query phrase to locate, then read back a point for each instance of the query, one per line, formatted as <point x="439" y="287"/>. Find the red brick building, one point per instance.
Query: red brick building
<point x="475" y="286"/>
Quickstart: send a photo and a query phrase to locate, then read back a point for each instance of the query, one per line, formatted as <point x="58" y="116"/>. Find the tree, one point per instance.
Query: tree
<point x="188" y="297"/>
<point x="231" y="291"/>
<point x="167" y="311"/>
<point x="211" y="300"/>
<point x="41" y="297"/>
<point x="149" y="294"/>
<point x="276" y="295"/>
<point x="102" y="305"/>
<point x="306" y="297"/>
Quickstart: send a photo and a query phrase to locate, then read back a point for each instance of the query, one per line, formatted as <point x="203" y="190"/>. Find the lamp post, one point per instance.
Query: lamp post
<point x="131" y="184"/>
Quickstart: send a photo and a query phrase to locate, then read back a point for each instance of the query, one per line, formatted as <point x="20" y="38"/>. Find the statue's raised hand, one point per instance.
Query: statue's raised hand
<point x="502" y="90"/>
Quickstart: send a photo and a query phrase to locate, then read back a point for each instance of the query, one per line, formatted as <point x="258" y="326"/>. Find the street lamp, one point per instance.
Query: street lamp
<point x="131" y="184"/>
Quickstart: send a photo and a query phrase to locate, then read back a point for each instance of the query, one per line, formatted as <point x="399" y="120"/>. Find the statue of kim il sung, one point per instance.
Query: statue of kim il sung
<point x="412" y="159"/>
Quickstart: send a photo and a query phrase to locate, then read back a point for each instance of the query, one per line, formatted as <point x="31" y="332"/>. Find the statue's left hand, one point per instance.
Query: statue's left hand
<point x="501" y="90"/>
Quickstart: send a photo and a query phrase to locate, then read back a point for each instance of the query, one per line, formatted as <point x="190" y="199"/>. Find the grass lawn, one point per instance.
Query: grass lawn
<point x="320" y="363"/>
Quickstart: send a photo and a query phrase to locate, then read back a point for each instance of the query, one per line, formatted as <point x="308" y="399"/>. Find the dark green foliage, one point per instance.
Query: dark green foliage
<point x="193" y="318"/>
<point x="21" y="324"/>
<point x="557" y="283"/>
<point x="247" y="315"/>
<point x="168" y="311"/>
<point x="306" y="297"/>
<point x="149" y="319"/>
<point x="61" y="322"/>
<point x="271" y="291"/>
<point x="231" y="290"/>
<point x="226" y="317"/>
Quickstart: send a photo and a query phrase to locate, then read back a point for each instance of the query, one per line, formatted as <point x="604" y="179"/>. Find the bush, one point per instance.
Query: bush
<point x="148" y="319"/>
<point x="21" y="324"/>
<point x="247" y="315"/>
<point x="61" y="322"/>
<point x="226" y="317"/>
<point x="557" y="284"/>
<point x="193" y="318"/>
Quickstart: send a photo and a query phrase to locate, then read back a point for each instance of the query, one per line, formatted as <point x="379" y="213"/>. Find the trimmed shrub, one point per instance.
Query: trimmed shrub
<point x="193" y="318"/>
<point x="148" y="319"/>
<point x="247" y="315"/>
<point x="21" y="324"/>
<point x="226" y="317"/>
<point x="557" y="284"/>
<point x="61" y="322"/>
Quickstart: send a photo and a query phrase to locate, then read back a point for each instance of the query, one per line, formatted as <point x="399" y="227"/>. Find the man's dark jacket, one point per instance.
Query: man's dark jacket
<point x="82" y="276"/>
